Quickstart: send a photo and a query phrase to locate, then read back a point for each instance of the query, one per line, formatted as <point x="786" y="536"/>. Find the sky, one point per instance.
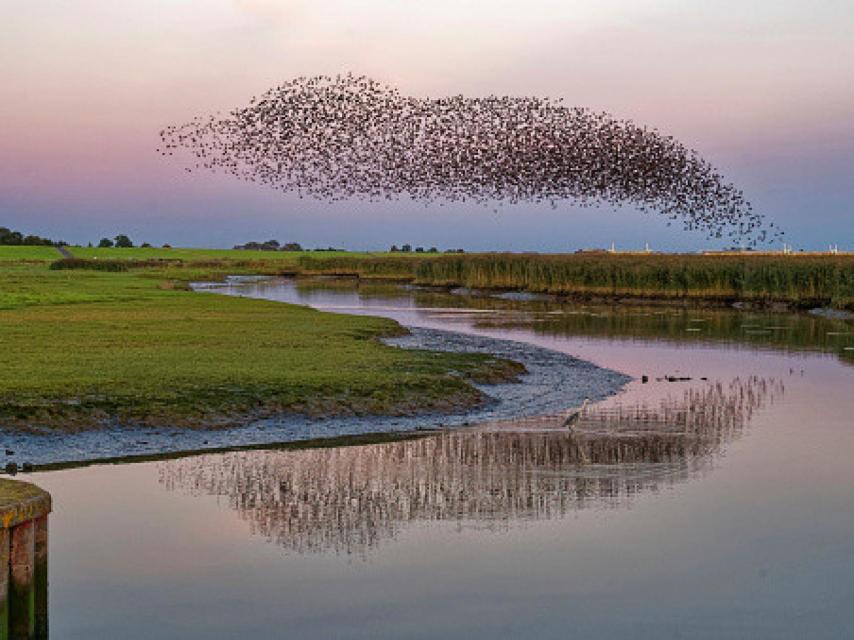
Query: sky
<point x="763" y="90"/>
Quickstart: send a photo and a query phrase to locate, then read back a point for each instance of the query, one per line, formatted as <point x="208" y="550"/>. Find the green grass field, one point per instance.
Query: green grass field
<point x="36" y="254"/>
<point x="181" y="266"/>
<point x="157" y="253"/>
<point x="81" y="348"/>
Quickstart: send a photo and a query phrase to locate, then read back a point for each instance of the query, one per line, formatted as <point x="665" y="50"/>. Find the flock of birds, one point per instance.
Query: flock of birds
<point x="345" y="137"/>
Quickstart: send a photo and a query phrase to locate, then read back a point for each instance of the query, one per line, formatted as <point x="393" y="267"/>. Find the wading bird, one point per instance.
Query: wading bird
<point x="574" y="415"/>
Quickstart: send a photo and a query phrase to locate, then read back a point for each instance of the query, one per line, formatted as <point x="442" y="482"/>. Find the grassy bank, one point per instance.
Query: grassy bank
<point x="83" y="348"/>
<point x="195" y="255"/>
<point x="799" y="281"/>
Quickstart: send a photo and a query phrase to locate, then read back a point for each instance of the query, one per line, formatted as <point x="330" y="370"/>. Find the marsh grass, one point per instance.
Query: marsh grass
<point x="82" y="349"/>
<point x="801" y="281"/>
<point x="28" y="254"/>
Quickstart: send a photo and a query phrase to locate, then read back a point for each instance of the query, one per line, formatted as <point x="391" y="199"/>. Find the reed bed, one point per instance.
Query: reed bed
<point x="800" y="281"/>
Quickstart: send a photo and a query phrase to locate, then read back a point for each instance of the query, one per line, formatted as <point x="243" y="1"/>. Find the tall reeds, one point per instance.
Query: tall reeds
<point x="801" y="281"/>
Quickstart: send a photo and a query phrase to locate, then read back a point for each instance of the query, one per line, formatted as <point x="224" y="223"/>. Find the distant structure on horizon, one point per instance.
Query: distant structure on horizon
<point x="787" y="250"/>
<point x="613" y="250"/>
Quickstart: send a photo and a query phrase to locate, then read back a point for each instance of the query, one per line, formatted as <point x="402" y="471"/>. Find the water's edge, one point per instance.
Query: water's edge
<point x="554" y="382"/>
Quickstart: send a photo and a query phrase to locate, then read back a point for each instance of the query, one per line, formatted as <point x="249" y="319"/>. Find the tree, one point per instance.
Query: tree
<point x="394" y="249"/>
<point x="123" y="242"/>
<point x="433" y="250"/>
<point x="406" y="248"/>
<point x="270" y="245"/>
<point x="419" y="249"/>
<point x="36" y="241"/>
<point x="105" y="243"/>
<point x="292" y="246"/>
<point x="9" y="237"/>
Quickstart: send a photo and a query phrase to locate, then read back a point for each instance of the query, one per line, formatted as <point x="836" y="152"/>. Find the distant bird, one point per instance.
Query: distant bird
<point x="574" y="415"/>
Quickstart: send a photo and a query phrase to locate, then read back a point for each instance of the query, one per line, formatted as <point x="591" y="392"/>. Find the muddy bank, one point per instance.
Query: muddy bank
<point x="832" y="314"/>
<point x="553" y="382"/>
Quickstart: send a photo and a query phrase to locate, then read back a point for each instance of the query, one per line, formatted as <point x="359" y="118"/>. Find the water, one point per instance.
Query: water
<point x="716" y="508"/>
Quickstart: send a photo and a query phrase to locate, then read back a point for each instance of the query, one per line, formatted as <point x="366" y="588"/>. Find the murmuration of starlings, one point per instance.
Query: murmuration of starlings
<point x="344" y="137"/>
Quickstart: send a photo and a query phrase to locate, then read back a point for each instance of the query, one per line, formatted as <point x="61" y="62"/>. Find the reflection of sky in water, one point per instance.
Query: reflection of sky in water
<point x="756" y="543"/>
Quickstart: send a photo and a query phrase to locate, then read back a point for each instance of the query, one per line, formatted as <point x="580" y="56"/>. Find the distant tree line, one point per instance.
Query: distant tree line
<point x="273" y="245"/>
<point x="407" y="248"/>
<point x="16" y="238"/>
<point x="121" y="241"/>
<point x="270" y="245"/>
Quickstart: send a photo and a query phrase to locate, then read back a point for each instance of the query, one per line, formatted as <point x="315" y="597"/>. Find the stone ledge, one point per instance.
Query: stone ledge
<point x="20" y="502"/>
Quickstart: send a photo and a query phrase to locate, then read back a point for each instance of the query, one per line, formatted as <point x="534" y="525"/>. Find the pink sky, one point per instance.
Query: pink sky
<point x="763" y="91"/>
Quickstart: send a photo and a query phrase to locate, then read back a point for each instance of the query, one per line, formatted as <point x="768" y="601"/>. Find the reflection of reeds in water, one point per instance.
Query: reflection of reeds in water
<point x="715" y="412"/>
<point x="351" y="498"/>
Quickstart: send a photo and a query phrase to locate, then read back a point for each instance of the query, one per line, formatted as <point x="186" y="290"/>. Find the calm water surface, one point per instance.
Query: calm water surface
<point x="717" y="508"/>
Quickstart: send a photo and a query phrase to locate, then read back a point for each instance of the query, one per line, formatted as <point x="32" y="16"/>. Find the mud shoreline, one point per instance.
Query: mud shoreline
<point x="554" y="381"/>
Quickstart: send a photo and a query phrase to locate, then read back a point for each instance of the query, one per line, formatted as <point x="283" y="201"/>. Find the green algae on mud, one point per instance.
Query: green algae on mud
<point x="85" y="349"/>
